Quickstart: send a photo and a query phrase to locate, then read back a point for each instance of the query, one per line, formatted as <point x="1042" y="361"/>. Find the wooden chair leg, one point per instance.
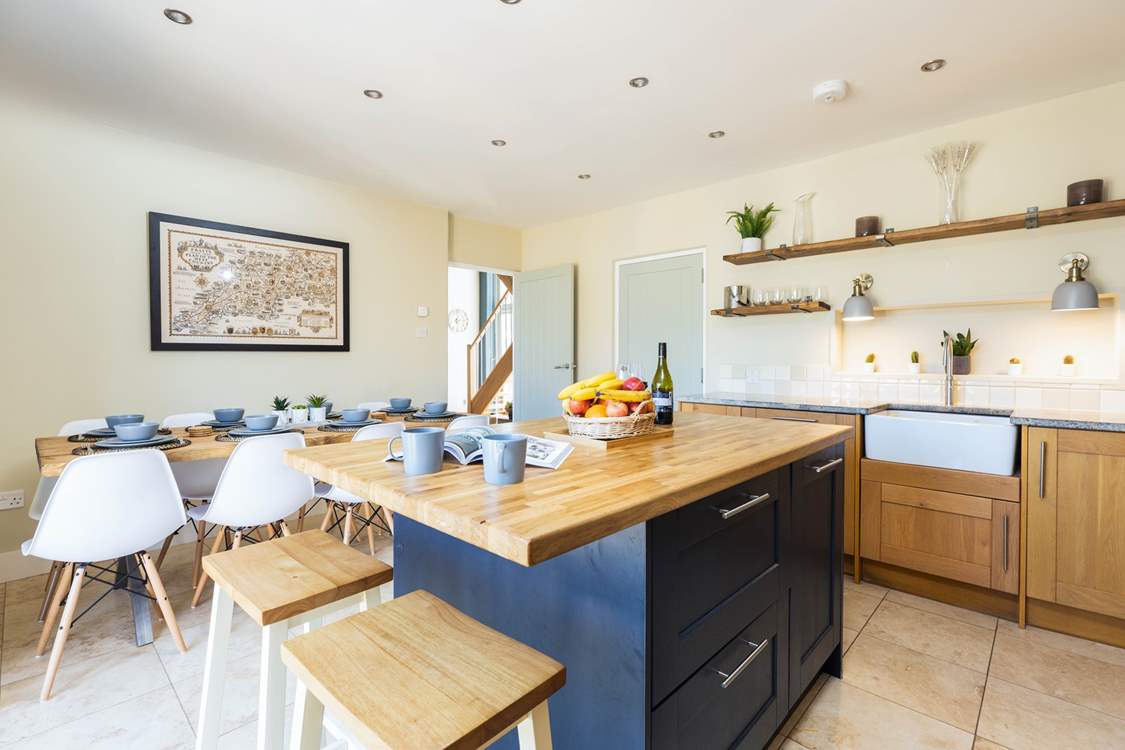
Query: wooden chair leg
<point x="301" y="517"/>
<point x="349" y="526"/>
<point x="52" y="614"/>
<point x="329" y="509"/>
<point x="388" y="518"/>
<point x="371" y="535"/>
<point x="161" y="595"/>
<point x="49" y="587"/>
<point x="220" y="537"/>
<point x="164" y="549"/>
<point x="197" y="560"/>
<point x="285" y="528"/>
<point x="64" y="631"/>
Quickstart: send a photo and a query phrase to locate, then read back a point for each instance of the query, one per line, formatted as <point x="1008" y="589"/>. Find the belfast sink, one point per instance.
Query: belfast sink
<point x="949" y="441"/>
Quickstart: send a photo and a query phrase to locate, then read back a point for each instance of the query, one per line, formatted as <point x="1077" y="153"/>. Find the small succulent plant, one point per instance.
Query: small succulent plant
<point x="1068" y="359"/>
<point x="299" y="406"/>
<point x="316" y="402"/>
<point x="1014" y="361"/>
<point x="963" y="343"/>
<point x="870" y="358"/>
<point x="280" y="403"/>
<point x="914" y="357"/>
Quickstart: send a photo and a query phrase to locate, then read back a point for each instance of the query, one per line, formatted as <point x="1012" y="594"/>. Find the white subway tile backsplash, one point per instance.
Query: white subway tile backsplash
<point x="849" y="390"/>
<point x="1085" y="398"/>
<point x="816" y="387"/>
<point x="798" y="372"/>
<point x="976" y="395"/>
<point x="782" y="387"/>
<point x="1029" y="398"/>
<point x="738" y="372"/>
<point x="909" y="393"/>
<point x="818" y="372"/>
<point x="781" y="372"/>
<point x="1113" y="400"/>
<point x="869" y="391"/>
<point x="929" y="393"/>
<point x="726" y="371"/>
<point x="835" y="389"/>
<point x="1056" y="398"/>
<point x="798" y="388"/>
<point x="1002" y="397"/>
<point x="888" y="391"/>
<point x="732" y="385"/>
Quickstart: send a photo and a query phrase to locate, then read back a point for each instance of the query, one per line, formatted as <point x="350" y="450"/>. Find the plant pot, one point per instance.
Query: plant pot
<point x="751" y="244"/>
<point x="282" y="415"/>
<point x="915" y="368"/>
<point x="869" y="367"/>
<point x="1015" y="370"/>
<point x="298" y="416"/>
<point x="1067" y="371"/>
<point x="317" y="413"/>
<point x="962" y="364"/>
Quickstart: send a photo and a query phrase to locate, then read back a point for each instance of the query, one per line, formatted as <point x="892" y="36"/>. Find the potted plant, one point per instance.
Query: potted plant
<point x="869" y="363"/>
<point x="1068" y="366"/>
<point x="915" y="363"/>
<point x="963" y="344"/>
<point x="318" y="408"/>
<point x="1015" y="367"/>
<point x="299" y="413"/>
<point x="752" y="225"/>
<point x="280" y="408"/>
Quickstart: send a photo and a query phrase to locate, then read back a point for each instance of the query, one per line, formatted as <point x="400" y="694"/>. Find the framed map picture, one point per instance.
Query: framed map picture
<point x="220" y="286"/>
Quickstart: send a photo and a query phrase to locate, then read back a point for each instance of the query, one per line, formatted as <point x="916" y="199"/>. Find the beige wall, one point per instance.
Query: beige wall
<point x="1026" y="158"/>
<point x="490" y="246"/>
<point x="74" y="286"/>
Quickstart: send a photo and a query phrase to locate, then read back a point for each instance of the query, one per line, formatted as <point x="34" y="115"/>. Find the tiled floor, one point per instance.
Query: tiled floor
<point x="917" y="674"/>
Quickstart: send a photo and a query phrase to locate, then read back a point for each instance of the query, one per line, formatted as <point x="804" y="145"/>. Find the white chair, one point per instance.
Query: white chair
<point x="197" y="481"/>
<point x="106" y="506"/>
<point x="341" y="504"/>
<point x="187" y="419"/>
<point x="462" y="423"/>
<point x="256" y="489"/>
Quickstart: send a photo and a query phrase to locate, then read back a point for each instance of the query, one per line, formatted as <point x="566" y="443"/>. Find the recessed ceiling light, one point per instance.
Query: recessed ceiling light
<point x="716" y="134"/>
<point x="373" y="93"/>
<point x="932" y="65"/>
<point x="177" y="16"/>
<point x="583" y="176"/>
<point x="639" y="82"/>
<point x="499" y="142"/>
<point x="509" y="2"/>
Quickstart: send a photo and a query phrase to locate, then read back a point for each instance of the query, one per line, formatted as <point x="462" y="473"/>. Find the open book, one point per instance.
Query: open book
<point x="465" y="447"/>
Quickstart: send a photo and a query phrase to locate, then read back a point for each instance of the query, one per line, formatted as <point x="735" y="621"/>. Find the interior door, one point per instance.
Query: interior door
<point x="662" y="300"/>
<point x="543" y="344"/>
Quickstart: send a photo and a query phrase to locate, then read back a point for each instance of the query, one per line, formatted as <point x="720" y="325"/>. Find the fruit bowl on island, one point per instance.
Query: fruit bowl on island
<point x="606" y="407"/>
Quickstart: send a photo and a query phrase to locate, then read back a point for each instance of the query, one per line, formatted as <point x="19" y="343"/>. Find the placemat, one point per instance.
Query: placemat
<point x="85" y="437"/>
<point x="226" y="437"/>
<point x="91" y="450"/>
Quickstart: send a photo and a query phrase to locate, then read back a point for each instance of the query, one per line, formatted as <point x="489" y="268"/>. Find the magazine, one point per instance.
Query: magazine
<point x="465" y="448"/>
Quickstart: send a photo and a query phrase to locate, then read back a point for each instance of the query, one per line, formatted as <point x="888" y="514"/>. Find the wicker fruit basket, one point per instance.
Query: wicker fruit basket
<point x="612" y="428"/>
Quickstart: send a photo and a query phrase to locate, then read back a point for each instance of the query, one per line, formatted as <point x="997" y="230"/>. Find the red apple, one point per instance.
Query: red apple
<point x="616" y="409"/>
<point x="578" y="408"/>
<point x="633" y="384"/>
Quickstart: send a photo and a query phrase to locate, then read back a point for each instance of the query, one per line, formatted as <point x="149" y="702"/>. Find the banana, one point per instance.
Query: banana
<point x="584" y="394"/>
<point x="609" y="385"/>
<point x="597" y="380"/>
<point x="619" y="395"/>
<point x="564" y="394"/>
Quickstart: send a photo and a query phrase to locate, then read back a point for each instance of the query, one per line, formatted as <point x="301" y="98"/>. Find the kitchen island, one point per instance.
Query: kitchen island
<point x="691" y="584"/>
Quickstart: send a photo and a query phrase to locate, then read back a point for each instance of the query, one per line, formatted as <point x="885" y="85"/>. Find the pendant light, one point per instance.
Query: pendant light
<point x="1075" y="293"/>
<point x="859" y="307"/>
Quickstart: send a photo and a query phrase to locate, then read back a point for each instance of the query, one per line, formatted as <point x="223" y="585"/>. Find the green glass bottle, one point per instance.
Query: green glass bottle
<point x="662" y="386"/>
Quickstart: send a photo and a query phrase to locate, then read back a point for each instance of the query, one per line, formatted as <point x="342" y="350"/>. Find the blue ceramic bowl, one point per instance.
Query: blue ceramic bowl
<point x="400" y="403"/>
<point x="117" y="419"/>
<point x="261" y="422"/>
<point x="327" y="407"/>
<point x="136" y="430"/>
<point x="435" y="407"/>
<point x="355" y="415"/>
<point x="229" y="415"/>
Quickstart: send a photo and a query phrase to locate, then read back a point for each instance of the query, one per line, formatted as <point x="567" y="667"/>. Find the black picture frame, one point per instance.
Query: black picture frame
<point x="157" y="341"/>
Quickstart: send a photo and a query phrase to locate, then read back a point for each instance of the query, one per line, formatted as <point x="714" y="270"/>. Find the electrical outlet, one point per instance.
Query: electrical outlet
<point x="423" y="311"/>
<point x="11" y="499"/>
<point x="422" y="332"/>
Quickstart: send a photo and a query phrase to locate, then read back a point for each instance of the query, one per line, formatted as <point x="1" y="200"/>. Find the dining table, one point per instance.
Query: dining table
<point x="54" y="452"/>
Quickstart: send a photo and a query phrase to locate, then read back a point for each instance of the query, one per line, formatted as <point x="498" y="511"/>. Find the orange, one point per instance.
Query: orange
<point x="597" y="410"/>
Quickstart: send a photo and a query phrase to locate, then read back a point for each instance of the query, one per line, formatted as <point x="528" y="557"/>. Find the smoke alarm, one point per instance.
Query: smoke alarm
<point x="830" y="92"/>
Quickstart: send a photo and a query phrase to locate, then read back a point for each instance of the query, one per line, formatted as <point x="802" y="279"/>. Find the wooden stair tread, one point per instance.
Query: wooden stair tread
<point x="275" y="580"/>
<point x="417" y="672"/>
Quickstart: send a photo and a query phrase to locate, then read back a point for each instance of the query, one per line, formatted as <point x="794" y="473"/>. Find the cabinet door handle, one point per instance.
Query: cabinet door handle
<point x="1042" y="468"/>
<point x="750" y="503"/>
<point x="794" y="419"/>
<point x="758" y="649"/>
<point x="1007" y="528"/>
<point x="826" y="466"/>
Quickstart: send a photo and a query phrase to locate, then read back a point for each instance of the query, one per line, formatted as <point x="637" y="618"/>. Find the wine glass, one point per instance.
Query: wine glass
<point x="794" y="295"/>
<point x="777" y="296"/>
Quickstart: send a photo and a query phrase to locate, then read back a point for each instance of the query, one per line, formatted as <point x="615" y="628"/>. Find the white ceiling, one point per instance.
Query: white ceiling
<point x="280" y="82"/>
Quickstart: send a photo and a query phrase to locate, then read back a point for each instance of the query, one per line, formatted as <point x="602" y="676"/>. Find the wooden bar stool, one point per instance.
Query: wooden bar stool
<point x="282" y="584"/>
<point x="417" y="673"/>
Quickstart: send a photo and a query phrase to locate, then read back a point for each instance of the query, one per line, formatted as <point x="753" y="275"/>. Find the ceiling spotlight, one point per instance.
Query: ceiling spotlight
<point x="639" y="82"/>
<point x="583" y="176"/>
<point x="716" y="134"/>
<point x="373" y="93"/>
<point x="932" y="65"/>
<point x="499" y="142"/>
<point x="509" y="2"/>
<point x="177" y="16"/>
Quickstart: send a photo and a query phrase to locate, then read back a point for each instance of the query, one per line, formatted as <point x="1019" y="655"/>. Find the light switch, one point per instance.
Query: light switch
<point x="423" y="311"/>
<point x="422" y="332"/>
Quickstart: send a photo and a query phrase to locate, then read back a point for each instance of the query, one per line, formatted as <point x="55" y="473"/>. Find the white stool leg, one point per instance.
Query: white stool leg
<point x="271" y="687"/>
<point x="308" y="720"/>
<point x="535" y="730"/>
<point x="214" y="671"/>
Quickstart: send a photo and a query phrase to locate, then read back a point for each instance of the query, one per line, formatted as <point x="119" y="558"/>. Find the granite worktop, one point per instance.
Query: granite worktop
<point x="1071" y="419"/>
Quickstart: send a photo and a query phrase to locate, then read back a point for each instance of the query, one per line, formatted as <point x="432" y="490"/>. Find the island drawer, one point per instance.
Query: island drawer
<point x="715" y="567"/>
<point x="734" y="700"/>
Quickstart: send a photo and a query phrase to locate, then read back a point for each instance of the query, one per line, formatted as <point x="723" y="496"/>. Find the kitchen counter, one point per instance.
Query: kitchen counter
<point x="1071" y="419"/>
<point x="804" y="403"/>
<point x="594" y="494"/>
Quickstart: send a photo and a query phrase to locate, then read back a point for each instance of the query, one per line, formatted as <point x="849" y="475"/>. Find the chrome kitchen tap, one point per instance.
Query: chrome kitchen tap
<point x="947" y="363"/>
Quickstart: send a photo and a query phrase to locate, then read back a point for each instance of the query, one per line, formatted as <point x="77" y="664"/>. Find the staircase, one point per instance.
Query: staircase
<point x="490" y="354"/>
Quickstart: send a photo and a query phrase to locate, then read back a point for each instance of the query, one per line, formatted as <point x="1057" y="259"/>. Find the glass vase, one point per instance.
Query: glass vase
<point x="802" y="219"/>
<point x="949" y="207"/>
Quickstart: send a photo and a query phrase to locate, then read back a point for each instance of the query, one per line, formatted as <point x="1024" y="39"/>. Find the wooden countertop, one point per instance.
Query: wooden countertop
<point x="593" y="495"/>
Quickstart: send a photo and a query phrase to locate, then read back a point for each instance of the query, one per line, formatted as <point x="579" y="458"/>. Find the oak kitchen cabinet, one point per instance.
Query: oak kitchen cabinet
<point x="1076" y="519"/>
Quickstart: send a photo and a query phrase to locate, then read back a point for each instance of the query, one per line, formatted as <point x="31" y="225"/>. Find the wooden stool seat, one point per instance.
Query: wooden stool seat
<point x="282" y="578"/>
<point x="417" y="673"/>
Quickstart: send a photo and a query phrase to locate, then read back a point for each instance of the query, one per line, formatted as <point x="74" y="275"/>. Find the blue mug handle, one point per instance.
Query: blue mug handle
<point x="391" y="450"/>
<point x="503" y="452"/>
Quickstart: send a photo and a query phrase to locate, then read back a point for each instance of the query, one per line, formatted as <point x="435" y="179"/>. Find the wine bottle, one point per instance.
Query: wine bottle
<point x="662" y="386"/>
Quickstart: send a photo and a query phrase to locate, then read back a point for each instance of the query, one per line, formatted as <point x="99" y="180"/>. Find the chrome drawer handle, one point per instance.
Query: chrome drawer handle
<point x="730" y="678"/>
<point x="794" y="419"/>
<point x="1042" y="468"/>
<point x="754" y="500"/>
<point x="1006" y="535"/>
<point x="826" y="466"/>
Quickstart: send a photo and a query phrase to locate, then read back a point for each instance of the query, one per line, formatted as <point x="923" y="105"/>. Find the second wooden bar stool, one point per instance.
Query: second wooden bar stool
<point x="283" y="583"/>
<point x="416" y="673"/>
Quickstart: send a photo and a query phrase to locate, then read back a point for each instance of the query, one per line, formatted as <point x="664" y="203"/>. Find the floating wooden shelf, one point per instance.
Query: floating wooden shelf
<point x="782" y="309"/>
<point x="1030" y="219"/>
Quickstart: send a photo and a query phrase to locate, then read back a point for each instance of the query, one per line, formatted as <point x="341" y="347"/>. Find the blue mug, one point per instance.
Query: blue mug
<point x="423" y="449"/>
<point x="504" y="458"/>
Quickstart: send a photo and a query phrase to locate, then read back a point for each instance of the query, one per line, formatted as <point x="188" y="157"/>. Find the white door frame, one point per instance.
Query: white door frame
<point x="701" y="251"/>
